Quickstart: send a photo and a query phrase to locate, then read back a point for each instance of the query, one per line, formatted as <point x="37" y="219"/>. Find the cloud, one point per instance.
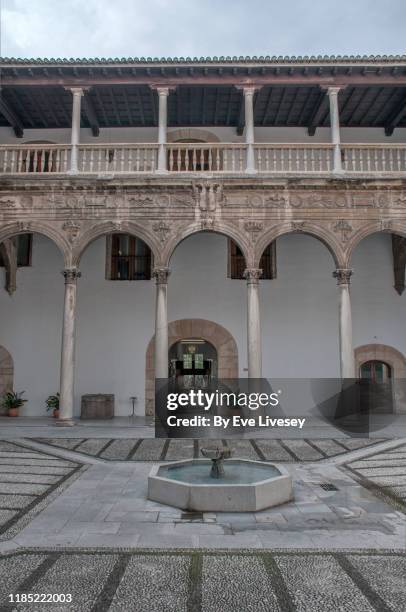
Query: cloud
<point x="126" y="28"/>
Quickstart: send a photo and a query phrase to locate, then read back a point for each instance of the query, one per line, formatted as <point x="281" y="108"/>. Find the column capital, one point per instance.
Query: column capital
<point x="71" y="275"/>
<point x="163" y="90"/>
<point x="161" y="275"/>
<point x="252" y="275"/>
<point x="76" y="91"/>
<point x="333" y="91"/>
<point x="343" y="275"/>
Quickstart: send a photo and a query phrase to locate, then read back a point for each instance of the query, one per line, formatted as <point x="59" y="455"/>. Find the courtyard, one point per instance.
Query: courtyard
<point x="73" y="507"/>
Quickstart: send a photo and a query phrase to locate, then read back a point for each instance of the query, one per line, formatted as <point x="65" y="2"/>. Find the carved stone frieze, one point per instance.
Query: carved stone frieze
<point x="208" y="196"/>
<point x="297" y="226"/>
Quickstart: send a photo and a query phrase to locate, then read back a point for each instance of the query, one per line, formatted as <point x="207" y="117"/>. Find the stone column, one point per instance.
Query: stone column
<point x="343" y="276"/>
<point x="77" y="93"/>
<point x="161" y="323"/>
<point x="335" y="128"/>
<point x="249" y="128"/>
<point x="253" y="323"/>
<point x="163" y="93"/>
<point x="68" y="348"/>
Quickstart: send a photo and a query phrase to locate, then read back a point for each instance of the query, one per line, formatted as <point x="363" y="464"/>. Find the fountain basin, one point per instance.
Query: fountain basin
<point x="247" y="486"/>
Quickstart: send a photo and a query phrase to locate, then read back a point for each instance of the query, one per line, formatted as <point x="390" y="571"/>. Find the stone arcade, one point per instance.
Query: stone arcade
<point x="206" y="163"/>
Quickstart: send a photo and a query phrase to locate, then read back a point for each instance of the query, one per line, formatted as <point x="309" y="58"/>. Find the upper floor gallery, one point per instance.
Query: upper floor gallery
<point x="222" y="116"/>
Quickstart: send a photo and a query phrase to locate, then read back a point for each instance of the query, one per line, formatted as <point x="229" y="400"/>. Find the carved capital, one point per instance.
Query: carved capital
<point x="252" y="275"/>
<point x="161" y="275"/>
<point x="71" y="275"/>
<point x="343" y="276"/>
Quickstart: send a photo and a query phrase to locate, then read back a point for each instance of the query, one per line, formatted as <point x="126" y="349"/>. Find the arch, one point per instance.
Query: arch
<point x="217" y="335"/>
<point x="223" y="229"/>
<point x="33" y="227"/>
<point x="392" y="357"/>
<point x="321" y="234"/>
<point x="6" y="371"/>
<point x="103" y="229"/>
<point x="191" y="134"/>
<point x="375" y="227"/>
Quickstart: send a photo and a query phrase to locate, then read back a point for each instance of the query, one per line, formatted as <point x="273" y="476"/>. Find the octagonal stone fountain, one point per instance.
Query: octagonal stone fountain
<point x="218" y="483"/>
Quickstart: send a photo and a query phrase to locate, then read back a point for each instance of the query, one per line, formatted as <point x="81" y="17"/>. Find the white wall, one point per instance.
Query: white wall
<point x="225" y="134"/>
<point x="115" y="319"/>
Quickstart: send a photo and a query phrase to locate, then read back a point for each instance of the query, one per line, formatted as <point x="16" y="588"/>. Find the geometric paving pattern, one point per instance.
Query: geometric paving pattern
<point x="151" y="449"/>
<point x="199" y="581"/>
<point x="27" y="478"/>
<point x="384" y="472"/>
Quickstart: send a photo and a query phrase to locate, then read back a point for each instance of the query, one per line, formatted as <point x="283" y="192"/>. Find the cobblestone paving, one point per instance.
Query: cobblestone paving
<point x="202" y="581"/>
<point x="385" y="473"/>
<point x="150" y="449"/>
<point x="27" y="478"/>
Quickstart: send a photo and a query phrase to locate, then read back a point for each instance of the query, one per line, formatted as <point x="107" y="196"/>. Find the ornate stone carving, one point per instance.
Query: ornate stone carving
<point x="72" y="229"/>
<point x="24" y="226"/>
<point x="208" y="195"/>
<point x="162" y="229"/>
<point x="386" y="224"/>
<point x="253" y="228"/>
<point x="344" y="228"/>
<point x="71" y="275"/>
<point x="161" y="275"/>
<point x="252" y="275"/>
<point x="297" y="226"/>
<point x="207" y="223"/>
<point x="8" y="203"/>
<point x="343" y="276"/>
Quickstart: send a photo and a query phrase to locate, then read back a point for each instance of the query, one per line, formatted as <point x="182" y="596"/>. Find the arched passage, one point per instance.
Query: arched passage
<point x="217" y="335"/>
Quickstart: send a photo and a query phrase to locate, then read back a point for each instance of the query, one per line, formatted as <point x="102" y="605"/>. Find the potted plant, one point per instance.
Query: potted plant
<point x="53" y="404"/>
<point x="12" y="401"/>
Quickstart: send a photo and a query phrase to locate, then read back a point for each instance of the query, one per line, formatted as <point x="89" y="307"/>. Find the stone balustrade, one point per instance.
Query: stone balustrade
<point x="219" y="158"/>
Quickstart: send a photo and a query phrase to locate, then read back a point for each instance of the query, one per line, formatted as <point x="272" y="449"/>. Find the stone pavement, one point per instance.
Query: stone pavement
<point x="28" y="480"/>
<point x="203" y="581"/>
<point x="384" y="473"/>
<point x="133" y="449"/>
<point x="107" y="506"/>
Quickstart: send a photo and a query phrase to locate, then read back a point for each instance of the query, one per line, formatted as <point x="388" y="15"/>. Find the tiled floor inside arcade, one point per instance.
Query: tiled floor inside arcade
<point x="74" y="518"/>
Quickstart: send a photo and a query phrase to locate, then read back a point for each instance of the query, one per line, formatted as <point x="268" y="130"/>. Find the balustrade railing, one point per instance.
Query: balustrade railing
<point x="226" y="158"/>
<point x="381" y="158"/>
<point x="192" y="157"/>
<point x="295" y="158"/>
<point x="21" y="159"/>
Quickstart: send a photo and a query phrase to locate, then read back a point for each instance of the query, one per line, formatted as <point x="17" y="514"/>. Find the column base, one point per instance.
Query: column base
<point x="64" y="423"/>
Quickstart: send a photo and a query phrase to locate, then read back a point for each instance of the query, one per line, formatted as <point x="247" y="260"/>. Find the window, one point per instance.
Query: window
<point x="24" y="249"/>
<point x="237" y="265"/>
<point x="130" y="258"/>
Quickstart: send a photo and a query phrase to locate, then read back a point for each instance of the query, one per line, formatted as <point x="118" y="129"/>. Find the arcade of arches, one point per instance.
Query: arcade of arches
<point x="296" y="325"/>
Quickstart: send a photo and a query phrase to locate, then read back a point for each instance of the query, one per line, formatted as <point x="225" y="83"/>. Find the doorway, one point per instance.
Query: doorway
<point x="376" y="387"/>
<point x="192" y="363"/>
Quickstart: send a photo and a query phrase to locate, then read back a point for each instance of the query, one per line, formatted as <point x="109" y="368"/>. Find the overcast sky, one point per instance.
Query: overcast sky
<point x="156" y="28"/>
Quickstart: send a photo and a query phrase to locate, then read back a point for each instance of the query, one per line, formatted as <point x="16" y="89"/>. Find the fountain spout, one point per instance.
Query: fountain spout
<point x="217" y="456"/>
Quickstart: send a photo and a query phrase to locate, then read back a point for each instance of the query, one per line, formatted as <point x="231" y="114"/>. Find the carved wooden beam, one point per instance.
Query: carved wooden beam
<point x="8" y="253"/>
<point x="9" y="114"/>
<point x="399" y="262"/>
<point x="396" y="116"/>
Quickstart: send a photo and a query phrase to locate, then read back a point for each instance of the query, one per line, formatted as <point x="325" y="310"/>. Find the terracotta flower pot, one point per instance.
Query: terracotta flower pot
<point x="13" y="412"/>
<point x="56" y="413"/>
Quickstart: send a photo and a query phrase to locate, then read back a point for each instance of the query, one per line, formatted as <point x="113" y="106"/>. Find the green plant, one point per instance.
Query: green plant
<point x="53" y="402"/>
<point x="12" y="399"/>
